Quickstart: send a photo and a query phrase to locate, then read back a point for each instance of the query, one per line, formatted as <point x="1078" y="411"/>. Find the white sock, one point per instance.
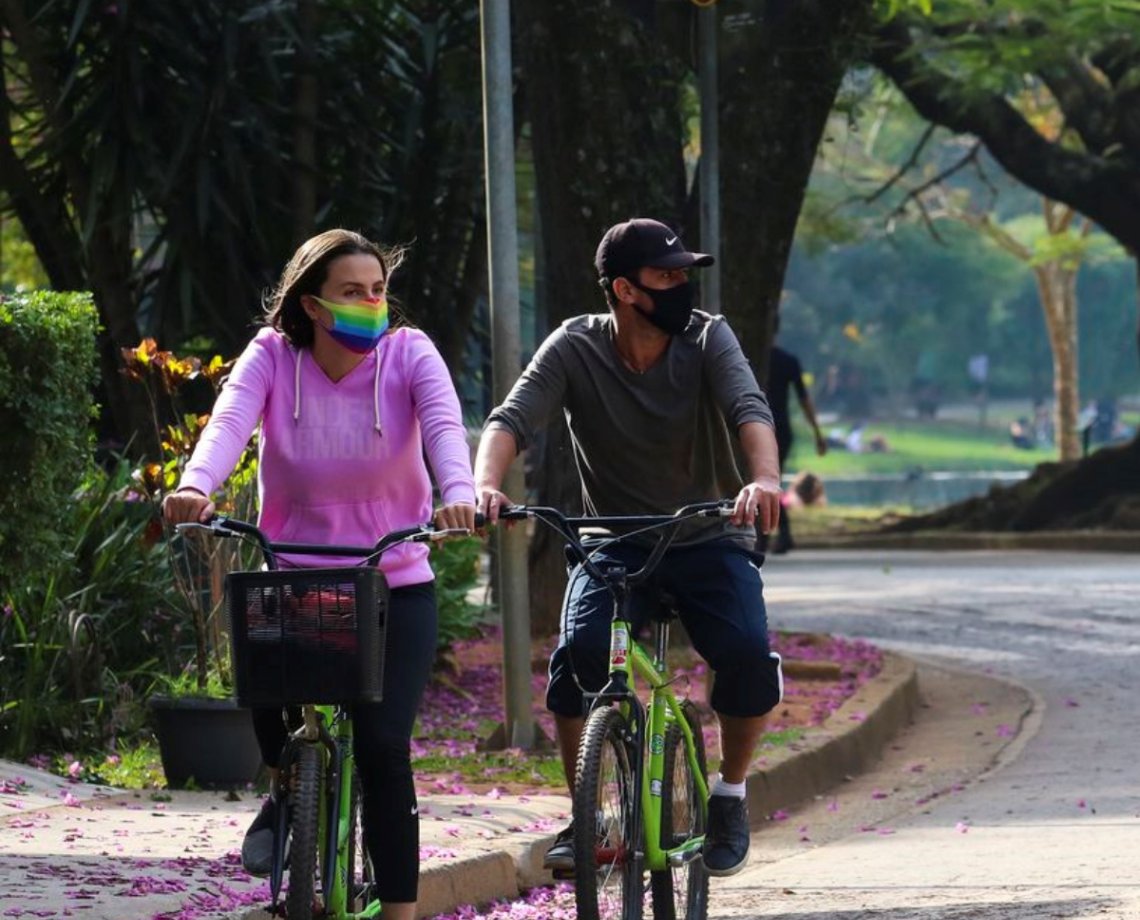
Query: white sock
<point x="720" y="787"/>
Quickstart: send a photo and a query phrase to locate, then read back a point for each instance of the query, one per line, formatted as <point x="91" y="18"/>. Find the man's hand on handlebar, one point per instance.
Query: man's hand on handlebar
<point x="459" y="516"/>
<point x="187" y="506"/>
<point x="491" y="502"/>
<point x="758" y="501"/>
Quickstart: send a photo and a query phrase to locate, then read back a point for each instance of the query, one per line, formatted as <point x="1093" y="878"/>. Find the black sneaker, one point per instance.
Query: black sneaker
<point x="560" y="857"/>
<point x="726" y="843"/>
<point x="257" y="847"/>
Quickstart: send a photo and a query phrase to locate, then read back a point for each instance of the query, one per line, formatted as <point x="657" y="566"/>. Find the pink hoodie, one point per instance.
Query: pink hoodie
<point x="342" y="463"/>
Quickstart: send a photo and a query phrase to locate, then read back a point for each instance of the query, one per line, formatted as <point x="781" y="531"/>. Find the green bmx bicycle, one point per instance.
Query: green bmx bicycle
<point x="313" y="639"/>
<point x="641" y="788"/>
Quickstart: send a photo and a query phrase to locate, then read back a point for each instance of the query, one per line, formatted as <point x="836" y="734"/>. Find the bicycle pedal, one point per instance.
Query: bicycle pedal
<point x="563" y="875"/>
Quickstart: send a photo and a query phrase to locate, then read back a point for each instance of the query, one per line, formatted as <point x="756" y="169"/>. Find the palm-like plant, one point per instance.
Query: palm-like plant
<point x="169" y="157"/>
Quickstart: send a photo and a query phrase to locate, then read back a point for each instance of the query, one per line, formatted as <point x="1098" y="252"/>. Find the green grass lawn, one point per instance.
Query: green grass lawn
<point x="932" y="446"/>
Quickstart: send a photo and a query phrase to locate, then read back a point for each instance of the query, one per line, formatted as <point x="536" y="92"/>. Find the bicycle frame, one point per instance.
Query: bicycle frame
<point x="628" y="660"/>
<point x="335" y="835"/>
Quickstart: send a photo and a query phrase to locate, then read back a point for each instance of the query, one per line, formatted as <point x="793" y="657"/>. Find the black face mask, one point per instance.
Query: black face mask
<point x="672" y="307"/>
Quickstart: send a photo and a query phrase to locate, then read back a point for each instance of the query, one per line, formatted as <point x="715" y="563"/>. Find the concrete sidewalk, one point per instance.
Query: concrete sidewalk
<point x="74" y="850"/>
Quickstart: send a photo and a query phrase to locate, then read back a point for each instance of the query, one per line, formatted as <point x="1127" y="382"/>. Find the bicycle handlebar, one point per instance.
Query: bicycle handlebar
<point x="222" y="526"/>
<point x="568" y="528"/>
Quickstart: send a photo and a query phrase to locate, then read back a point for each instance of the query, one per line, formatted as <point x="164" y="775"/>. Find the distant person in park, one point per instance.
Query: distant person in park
<point x="348" y="408"/>
<point x="784" y="375"/>
<point x="1021" y="434"/>
<point x="654" y="393"/>
<point x="805" y="491"/>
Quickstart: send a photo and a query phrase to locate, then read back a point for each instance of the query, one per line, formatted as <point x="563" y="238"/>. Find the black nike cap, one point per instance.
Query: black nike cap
<point x="644" y="243"/>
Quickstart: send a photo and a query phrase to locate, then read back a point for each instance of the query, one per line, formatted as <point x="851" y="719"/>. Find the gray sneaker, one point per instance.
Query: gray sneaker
<point x="726" y="843"/>
<point x="257" y="847"/>
<point x="560" y="856"/>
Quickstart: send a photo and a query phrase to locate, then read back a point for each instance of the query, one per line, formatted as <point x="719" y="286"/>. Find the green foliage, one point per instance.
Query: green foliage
<point x="185" y="122"/>
<point x="80" y="643"/>
<point x="456" y="566"/>
<point x="877" y="291"/>
<point x="219" y="682"/>
<point x="942" y="446"/>
<point x="47" y="369"/>
<point x="20" y="270"/>
<point x="196" y="566"/>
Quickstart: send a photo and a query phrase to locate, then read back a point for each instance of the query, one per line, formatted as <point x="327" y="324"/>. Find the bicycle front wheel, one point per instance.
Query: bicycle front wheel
<point x="607" y="863"/>
<point x="304" y="784"/>
<point x="681" y="892"/>
<point x="361" y="882"/>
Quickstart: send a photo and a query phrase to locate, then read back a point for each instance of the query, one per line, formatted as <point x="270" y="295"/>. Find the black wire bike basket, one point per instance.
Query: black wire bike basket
<point x="307" y="635"/>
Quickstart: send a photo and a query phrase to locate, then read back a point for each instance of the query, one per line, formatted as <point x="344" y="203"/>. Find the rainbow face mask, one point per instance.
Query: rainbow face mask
<point x="357" y="326"/>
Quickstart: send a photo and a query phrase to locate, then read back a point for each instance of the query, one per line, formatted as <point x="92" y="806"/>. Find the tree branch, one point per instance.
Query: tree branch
<point x="905" y="168"/>
<point x="1085" y="103"/>
<point x="915" y="194"/>
<point x="1108" y="191"/>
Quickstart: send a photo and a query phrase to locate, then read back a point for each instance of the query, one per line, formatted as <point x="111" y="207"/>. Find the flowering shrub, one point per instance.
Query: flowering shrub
<point x="196" y="566"/>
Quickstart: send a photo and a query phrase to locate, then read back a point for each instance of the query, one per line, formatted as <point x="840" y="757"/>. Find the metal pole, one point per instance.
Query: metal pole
<point x="506" y="353"/>
<point x="710" y="154"/>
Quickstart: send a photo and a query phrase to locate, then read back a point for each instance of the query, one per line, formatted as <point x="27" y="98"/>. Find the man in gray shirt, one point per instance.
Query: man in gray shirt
<point x="654" y="393"/>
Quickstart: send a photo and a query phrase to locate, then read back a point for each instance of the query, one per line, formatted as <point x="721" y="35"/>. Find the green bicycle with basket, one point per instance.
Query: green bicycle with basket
<point x="313" y="638"/>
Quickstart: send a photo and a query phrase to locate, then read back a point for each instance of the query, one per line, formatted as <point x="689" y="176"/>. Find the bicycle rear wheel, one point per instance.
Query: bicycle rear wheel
<point x="304" y="784"/>
<point x="608" y="878"/>
<point x="682" y="892"/>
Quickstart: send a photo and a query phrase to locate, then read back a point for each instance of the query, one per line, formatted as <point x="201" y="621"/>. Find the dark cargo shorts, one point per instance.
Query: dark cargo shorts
<point x="719" y="596"/>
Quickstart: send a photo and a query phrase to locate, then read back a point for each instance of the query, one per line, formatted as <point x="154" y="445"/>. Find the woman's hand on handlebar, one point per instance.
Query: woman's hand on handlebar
<point x="459" y="516"/>
<point x="758" y="501"/>
<point x="187" y="506"/>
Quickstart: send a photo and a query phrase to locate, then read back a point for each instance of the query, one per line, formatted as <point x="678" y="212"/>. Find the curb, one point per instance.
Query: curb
<point x="851" y="739"/>
<point x="1060" y="540"/>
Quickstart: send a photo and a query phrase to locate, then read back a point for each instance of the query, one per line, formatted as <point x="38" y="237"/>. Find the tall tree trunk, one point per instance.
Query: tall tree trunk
<point x="1057" y="288"/>
<point x="782" y="63"/>
<point x="609" y="149"/>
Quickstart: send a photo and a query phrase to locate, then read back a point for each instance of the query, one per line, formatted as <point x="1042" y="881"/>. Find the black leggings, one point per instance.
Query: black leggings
<point x="383" y="734"/>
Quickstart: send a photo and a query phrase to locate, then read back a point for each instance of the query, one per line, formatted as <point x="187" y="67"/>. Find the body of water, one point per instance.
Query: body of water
<point x="916" y="490"/>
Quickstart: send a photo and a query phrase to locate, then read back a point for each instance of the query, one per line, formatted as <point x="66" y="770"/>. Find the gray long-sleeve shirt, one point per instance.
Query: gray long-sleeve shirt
<point x="643" y="443"/>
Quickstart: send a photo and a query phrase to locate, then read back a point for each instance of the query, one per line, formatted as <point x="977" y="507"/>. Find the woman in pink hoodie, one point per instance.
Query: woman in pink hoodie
<point x="348" y="408"/>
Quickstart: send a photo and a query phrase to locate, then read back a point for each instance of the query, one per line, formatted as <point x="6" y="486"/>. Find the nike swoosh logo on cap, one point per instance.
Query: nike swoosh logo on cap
<point x="670" y="240"/>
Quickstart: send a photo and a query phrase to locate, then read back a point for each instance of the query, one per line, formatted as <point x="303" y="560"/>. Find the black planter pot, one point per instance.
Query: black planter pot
<point x="208" y="741"/>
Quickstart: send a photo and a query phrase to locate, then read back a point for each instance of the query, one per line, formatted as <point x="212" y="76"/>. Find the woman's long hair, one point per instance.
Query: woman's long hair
<point x="308" y="270"/>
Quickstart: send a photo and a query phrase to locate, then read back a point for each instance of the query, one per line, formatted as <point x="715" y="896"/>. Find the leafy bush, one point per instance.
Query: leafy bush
<point x="80" y="644"/>
<point x="47" y="370"/>
<point x="456" y="566"/>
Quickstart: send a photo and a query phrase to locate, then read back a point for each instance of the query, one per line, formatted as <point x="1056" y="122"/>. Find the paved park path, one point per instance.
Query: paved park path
<point x="1041" y="821"/>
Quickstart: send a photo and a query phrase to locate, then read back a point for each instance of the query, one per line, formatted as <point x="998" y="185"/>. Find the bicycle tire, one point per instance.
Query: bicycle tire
<point x="304" y="817"/>
<point x="607" y="862"/>
<point x="683" y="816"/>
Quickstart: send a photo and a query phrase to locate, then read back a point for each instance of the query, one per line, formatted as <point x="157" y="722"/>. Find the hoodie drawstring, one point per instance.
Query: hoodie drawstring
<point x="376" y="393"/>
<point x="297" y="385"/>
<point x="379" y="428"/>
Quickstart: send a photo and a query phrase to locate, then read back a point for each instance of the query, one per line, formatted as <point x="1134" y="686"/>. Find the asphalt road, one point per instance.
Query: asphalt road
<point x="1016" y="795"/>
